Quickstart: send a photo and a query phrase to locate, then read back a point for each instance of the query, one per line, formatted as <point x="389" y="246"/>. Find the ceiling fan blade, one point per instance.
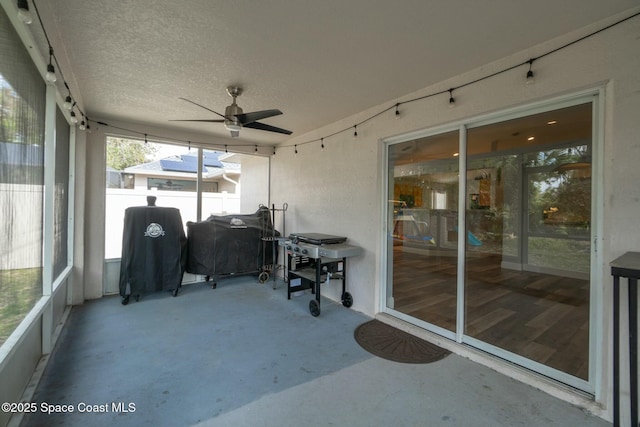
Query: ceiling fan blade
<point x="257" y="115"/>
<point x="202" y="106"/>
<point x="262" y="126"/>
<point x="203" y="120"/>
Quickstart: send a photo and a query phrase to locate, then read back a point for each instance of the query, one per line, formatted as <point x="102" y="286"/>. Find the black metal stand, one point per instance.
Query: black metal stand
<point x="628" y="265"/>
<point x="310" y="273"/>
<point x="270" y="238"/>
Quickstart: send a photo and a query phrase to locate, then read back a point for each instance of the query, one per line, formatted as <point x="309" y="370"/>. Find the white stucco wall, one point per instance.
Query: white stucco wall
<point x="255" y="183"/>
<point x="339" y="190"/>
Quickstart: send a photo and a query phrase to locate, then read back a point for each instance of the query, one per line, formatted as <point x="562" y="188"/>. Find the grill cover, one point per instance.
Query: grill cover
<point x="230" y="244"/>
<point x="154" y="250"/>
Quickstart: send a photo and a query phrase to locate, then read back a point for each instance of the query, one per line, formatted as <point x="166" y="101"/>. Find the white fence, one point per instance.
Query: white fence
<point x="21" y="226"/>
<point x="117" y="200"/>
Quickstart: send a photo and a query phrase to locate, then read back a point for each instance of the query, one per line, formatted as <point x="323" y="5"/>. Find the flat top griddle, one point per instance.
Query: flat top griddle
<point x="317" y="238"/>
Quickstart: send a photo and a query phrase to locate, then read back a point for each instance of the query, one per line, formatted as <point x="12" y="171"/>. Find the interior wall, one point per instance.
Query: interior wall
<point x="339" y="190"/>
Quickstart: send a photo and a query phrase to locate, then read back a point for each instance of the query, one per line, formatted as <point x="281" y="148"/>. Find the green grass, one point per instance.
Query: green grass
<point x="564" y="254"/>
<point x="19" y="292"/>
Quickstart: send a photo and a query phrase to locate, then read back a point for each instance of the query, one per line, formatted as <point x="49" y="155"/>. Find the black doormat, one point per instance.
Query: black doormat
<point x="390" y="343"/>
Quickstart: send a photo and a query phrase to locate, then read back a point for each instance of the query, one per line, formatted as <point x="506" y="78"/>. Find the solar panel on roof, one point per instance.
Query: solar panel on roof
<point x="178" y="166"/>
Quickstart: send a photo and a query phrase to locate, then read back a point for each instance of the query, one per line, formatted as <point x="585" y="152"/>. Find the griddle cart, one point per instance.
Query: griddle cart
<point x="314" y="259"/>
<point x="309" y="273"/>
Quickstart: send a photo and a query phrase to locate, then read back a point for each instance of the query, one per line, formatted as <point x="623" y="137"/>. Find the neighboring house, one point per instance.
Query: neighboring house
<point x="179" y="173"/>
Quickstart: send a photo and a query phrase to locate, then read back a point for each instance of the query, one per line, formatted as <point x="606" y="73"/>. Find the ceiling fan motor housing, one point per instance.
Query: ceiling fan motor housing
<point x="231" y="111"/>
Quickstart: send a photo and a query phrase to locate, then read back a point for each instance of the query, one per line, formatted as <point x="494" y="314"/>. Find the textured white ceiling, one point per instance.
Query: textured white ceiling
<point x="317" y="61"/>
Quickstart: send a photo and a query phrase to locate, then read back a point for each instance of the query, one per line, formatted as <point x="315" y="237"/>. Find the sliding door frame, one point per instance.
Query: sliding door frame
<point x="596" y="96"/>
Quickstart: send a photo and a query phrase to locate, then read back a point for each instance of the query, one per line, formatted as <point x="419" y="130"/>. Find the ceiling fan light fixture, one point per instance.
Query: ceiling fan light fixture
<point x="231" y="126"/>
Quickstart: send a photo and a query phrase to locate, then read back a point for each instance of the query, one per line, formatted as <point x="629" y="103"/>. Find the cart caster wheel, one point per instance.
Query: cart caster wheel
<point x="347" y="299"/>
<point x="214" y="285"/>
<point x="263" y="277"/>
<point x="125" y="300"/>
<point x="314" y="308"/>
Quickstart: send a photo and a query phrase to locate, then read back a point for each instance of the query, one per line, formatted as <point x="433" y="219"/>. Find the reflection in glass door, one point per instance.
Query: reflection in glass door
<point x="525" y="202"/>
<point x="423" y="215"/>
<point x="528" y="251"/>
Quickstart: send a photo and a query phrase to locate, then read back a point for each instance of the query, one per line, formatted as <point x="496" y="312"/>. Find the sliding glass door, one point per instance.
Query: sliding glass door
<point x="423" y="215"/>
<point x="498" y="257"/>
<point x="528" y="249"/>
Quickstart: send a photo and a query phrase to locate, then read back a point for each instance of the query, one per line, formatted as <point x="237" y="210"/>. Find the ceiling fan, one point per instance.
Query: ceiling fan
<point x="234" y="119"/>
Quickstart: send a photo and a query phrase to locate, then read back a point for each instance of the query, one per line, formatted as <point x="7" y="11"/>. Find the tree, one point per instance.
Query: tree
<point x="123" y="153"/>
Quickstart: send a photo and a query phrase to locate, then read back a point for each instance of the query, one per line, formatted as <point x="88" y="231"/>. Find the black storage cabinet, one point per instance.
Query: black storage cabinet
<point x="154" y="251"/>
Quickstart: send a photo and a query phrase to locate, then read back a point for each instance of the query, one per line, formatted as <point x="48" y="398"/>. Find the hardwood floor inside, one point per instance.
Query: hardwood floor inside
<point x="539" y="316"/>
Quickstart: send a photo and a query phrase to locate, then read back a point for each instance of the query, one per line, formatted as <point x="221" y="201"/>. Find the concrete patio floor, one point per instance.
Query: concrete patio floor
<point x="244" y="355"/>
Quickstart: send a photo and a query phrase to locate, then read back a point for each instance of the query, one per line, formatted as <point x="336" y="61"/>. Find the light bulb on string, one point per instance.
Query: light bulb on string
<point x="51" y="71"/>
<point x="397" y="112"/>
<point x="355" y="131"/>
<point x="225" y="148"/>
<point x="274" y="150"/>
<point x="88" y="127"/>
<point x="295" y="148"/>
<point x="530" y="79"/>
<point x="68" y="102"/>
<point x="322" y="144"/>
<point x="189" y="145"/>
<point x="82" y="125"/>
<point x="74" y="119"/>
<point x="23" y="12"/>
<point x="256" y="150"/>
<point x="452" y="100"/>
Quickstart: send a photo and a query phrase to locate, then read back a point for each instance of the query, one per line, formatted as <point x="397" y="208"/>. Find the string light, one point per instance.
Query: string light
<point x="51" y="71"/>
<point x="225" y="148"/>
<point x="23" y="12"/>
<point x="322" y="144"/>
<point x="256" y="150"/>
<point x="145" y="139"/>
<point x="50" y="76"/>
<point x="68" y="102"/>
<point x="274" y="150"/>
<point x="530" y="78"/>
<point x="189" y="145"/>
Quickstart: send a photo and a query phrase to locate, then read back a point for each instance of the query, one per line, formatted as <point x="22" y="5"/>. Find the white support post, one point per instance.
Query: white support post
<point x="48" y="217"/>
<point x="462" y="235"/>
